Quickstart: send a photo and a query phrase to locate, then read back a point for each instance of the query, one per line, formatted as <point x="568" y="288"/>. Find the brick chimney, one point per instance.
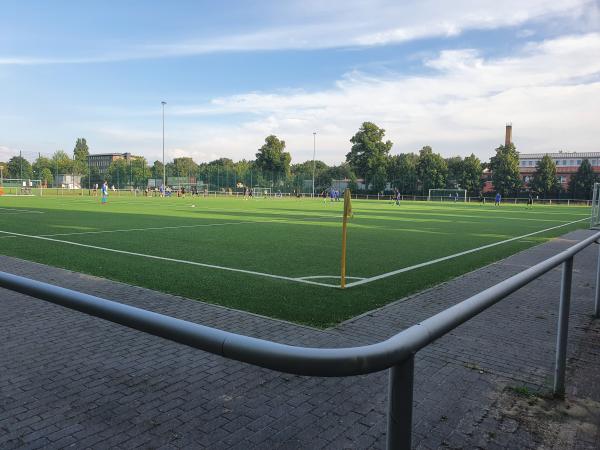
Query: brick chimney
<point x="508" y="136"/>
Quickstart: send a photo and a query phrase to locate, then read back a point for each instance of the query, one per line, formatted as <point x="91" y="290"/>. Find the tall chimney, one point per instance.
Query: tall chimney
<point x="508" y="137"/>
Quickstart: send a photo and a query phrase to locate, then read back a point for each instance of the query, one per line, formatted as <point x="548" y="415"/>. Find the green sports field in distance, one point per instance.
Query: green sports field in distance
<point x="272" y="256"/>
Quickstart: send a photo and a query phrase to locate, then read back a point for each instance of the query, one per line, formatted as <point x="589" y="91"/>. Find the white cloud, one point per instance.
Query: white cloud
<point x="549" y="91"/>
<point x="307" y="25"/>
<point x="6" y="153"/>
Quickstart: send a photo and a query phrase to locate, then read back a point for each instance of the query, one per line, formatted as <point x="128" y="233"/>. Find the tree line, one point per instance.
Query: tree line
<point x="368" y="163"/>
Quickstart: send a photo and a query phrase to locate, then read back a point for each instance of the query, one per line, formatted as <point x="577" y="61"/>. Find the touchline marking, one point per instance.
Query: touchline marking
<point x="445" y="258"/>
<point x="328" y="276"/>
<point x="18" y="211"/>
<point x="174" y="227"/>
<point x="163" y="258"/>
<point x="152" y="228"/>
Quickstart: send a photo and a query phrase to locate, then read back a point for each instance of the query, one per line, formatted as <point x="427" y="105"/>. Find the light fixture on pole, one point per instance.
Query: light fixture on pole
<point x="163" y="146"/>
<point x="314" y="153"/>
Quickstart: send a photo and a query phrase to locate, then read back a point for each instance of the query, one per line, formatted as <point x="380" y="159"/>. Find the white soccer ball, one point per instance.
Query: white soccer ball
<point x="193" y="206"/>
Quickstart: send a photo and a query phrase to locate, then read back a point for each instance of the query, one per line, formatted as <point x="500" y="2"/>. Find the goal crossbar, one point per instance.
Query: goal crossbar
<point x="12" y="187"/>
<point x="447" y="195"/>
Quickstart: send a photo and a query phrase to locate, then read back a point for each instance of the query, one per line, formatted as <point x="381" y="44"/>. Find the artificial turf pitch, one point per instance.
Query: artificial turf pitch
<point x="260" y="255"/>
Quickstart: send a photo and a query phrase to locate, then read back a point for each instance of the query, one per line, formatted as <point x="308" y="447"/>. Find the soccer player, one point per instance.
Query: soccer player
<point x="498" y="199"/>
<point x="398" y="198"/>
<point x="104" y="192"/>
<point x="530" y="201"/>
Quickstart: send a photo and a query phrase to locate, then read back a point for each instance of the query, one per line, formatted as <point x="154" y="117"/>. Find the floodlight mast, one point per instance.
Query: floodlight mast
<point x="164" y="186"/>
<point x="314" y="153"/>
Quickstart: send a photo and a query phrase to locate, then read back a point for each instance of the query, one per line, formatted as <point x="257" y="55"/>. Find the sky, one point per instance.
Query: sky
<point x="439" y="73"/>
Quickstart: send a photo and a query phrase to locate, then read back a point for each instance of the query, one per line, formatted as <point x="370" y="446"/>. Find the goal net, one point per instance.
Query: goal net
<point x="447" y="195"/>
<point x="15" y="187"/>
<point x="261" y="192"/>
<point x="595" y="219"/>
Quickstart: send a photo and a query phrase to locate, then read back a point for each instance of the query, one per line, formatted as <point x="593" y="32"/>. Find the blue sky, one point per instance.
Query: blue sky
<point x="445" y="74"/>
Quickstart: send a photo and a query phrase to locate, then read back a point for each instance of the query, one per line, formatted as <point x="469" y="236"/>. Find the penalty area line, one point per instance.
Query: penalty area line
<point x="455" y="255"/>
<point x="163" y="258"/>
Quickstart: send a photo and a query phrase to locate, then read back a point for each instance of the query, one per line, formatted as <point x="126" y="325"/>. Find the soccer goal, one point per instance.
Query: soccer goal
<point x="12" y="187"/>
<point x="261" y="192"/>
<point x="595" y="220"/>
<point x="447" y="195"/>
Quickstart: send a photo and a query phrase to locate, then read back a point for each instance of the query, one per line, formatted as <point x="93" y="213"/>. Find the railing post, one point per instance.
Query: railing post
<point x="597" y="302"/>
<point x="400" y="404"/>
<point x="563" y="327"/>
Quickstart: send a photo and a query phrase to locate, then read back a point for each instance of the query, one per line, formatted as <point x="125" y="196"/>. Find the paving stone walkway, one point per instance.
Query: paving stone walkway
<point x="68" y="380"/>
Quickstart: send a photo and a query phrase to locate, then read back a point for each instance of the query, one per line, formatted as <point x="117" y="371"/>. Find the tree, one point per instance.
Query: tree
<point x="455" y="172"/>
<point x="118" y="173"/>
<point x="431" y="169"/>
<point x="140" y="172"/>
<point x="505" y="170"/>
<point x="61" y="163"/>
<point x="46" y="176"/>
<point x="272" y="158"/>
<point x="544" y="179"/>
<point x="39" y="165"/>
<point x="369" y="155"/>
<point x="326" y="178"/>
<point x="184" y="167"/>
<point x="402" y="172"/>
<point x="156" y="170"/>
<point x="303" y="174"/>
<point x="582" y="182"/>
<point x="18" y="167"/>
<point x="81" y="151"/>
<point x="471" y="175"/>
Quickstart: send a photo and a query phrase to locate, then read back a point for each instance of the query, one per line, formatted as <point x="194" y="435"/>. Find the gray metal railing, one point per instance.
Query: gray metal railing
<point x="396" y="353"/>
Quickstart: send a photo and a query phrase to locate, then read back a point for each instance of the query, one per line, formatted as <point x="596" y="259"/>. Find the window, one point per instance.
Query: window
<point x="557" y="162"/>
<point x="564" y="162"/>
<point x="578" y="162"/>
<point x="531" y="163"/>
<point x="572" y="162"/>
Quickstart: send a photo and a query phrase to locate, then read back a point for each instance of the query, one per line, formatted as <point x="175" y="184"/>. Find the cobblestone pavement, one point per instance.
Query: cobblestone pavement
<point x="71" y="380"/>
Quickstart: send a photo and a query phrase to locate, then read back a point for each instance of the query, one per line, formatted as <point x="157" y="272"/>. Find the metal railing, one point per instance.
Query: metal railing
<point x="396" y="353"/>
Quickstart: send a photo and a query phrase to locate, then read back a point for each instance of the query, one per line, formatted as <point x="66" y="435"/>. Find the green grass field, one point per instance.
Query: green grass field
<point x="276" y="257"/>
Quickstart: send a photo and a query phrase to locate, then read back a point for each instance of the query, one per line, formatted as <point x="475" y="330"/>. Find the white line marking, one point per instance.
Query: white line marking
<point x="174" y="227"/>
<point x="445" y="258"/>
<point x="181" y="261"/>
<point x="152" y="228"/>
<point x="327" y="276"/>
<point x="18" y="211"/>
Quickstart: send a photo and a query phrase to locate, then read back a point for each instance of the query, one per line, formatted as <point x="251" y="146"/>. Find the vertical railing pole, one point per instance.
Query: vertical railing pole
<point x="597" y="302"/>
<point x="400" y="405"/>
<point x="563" y="327"/>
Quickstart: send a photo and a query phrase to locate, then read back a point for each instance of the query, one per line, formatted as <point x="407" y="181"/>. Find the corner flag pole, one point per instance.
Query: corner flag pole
<point x="347" y="213"/>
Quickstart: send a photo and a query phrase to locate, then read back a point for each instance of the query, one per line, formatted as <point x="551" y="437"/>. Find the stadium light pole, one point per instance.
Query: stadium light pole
<point x="314" y="153"/>
<point x="163" y="146"/>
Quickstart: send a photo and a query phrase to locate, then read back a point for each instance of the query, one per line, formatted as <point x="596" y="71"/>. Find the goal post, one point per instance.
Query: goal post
<point x="261" y="192"/>
<point x="595" y="218"/>
<point x="14" y="187"/>
<point x="447" y="195"/>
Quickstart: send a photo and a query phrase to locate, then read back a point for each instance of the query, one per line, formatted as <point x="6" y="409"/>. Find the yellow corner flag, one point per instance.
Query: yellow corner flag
<point x="347" y="214"/>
